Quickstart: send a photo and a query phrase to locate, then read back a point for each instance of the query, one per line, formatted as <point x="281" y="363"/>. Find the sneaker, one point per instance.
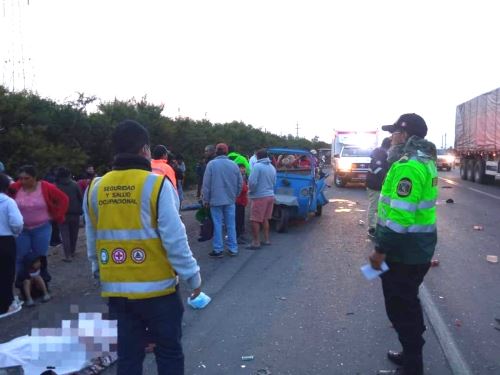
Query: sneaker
<point x="232" y="254"/>
<point x="30" y="303"/>
<point x="14" y="308"/>
<point x="46" y="298"/>
<point x="241" y="241"/>
<point x="18" y="301"/>
<point x="214" y="254"/>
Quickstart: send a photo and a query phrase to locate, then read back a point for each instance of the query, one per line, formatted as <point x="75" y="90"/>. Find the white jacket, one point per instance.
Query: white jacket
<point x="11" y="220"/>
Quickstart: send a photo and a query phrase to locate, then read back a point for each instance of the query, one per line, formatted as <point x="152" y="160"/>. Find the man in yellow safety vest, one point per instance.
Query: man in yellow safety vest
<point x="138" y="245"/>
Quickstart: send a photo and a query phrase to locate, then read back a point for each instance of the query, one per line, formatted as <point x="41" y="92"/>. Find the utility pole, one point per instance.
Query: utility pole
<point x="445" y="141"/>
<point x="297" y="128"/>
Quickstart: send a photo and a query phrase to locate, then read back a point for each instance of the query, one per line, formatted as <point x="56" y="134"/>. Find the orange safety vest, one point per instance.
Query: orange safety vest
<point x="160" y="166"/>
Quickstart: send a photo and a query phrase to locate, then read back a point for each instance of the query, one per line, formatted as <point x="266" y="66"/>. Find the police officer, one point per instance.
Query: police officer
<point x="374" y="179"/>
<point x="137" y="245"/>
<point x="406" y="238"/>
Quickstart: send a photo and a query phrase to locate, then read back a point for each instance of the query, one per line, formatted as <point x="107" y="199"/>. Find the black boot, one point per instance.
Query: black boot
<point x="395" y="357"/>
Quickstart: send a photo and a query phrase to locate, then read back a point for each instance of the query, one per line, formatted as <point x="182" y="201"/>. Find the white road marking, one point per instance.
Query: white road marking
<point x="451" y="352"/>
<point x="484" y="193"/>
<point x="451" y="182"/>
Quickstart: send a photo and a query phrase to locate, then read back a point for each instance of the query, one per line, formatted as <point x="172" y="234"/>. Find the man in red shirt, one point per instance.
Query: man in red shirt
<point x="241" y="202"/>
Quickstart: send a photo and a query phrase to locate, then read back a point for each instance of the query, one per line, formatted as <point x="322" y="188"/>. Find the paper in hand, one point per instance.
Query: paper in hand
<point x="200" y="302"/>
<point x="370" y="273"/>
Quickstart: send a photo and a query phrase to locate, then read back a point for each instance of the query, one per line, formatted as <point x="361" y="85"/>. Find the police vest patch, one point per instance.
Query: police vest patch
<point x="404" y="187"/>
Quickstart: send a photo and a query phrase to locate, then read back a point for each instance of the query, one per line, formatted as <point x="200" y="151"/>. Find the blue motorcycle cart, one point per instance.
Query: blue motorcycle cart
<point x="299" y="186"/>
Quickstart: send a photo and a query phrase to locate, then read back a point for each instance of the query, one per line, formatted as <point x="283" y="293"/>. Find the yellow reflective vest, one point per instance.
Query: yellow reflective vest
<point x="123" y="208"/>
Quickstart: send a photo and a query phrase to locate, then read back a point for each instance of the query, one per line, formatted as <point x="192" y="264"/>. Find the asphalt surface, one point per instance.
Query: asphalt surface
<point x="301" y="306"/>
<point x="465" y="287"/>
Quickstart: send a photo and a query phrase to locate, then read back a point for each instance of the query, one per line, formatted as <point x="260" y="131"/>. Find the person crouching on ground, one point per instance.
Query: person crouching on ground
<point x="31" y="281"/>
<point x="40" y="202"/>
<point x="261" y="191"/>
<point x="241" y="203"/>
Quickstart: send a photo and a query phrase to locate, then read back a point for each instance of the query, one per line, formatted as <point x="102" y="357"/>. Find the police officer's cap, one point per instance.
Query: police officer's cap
<point x="411" y="123"/>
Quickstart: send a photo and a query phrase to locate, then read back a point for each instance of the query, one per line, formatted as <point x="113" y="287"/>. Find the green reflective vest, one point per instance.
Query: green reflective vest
<point x="406" y="228"/>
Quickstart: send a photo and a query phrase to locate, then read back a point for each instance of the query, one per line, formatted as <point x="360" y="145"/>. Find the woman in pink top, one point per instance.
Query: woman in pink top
<point x="39" y="202"/>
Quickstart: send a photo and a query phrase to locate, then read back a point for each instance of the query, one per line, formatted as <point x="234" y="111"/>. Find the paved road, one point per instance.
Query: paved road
<point x="468" y="284"/>
<point x="302" y="307"/>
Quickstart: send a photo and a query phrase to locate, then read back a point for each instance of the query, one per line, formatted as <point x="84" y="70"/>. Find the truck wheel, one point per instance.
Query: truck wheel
<point x="463" y="170"/>
<point x="480" y="175"/>
<point x="470" y="170"/>
<point x="448" y="169"/>
<point x="339" y="181"/>
<point x="282" y="221"/>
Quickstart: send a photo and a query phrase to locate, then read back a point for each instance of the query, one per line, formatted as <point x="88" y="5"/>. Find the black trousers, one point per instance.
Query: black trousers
<point x="69" y="234"/>
<point x="7" y="271"/>
<point x="400" y="286"/>
<point x="240" y="220"/>
<point x="162" y="316"/>
<point x="55" y="237"/>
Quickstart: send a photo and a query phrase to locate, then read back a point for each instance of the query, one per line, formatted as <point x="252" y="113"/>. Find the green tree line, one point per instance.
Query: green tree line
<point x="40" y="131"/>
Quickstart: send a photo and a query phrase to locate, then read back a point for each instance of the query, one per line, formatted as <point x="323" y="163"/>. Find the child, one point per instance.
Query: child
<point x="30" y="280"/>
<point x="241" y="202"/>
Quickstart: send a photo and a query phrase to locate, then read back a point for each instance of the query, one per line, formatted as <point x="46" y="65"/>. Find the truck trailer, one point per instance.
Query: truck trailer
<point x="477" y="137"/>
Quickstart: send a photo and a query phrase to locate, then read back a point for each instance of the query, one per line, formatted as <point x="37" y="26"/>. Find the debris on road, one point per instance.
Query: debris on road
<point x="492" y="258"/>
<point x="458" y="323"/>
<point x="247" y="357"/>
<point x="449" y="200"/>
<point x="446" y="187"/>
<point x="350" y="313"/>
<point x="441" y="297"/>
<point x="434" y="262"/>
<point x="478" y="227"/>
<point x="361" y="222"/>
<point x="281" y="298"/>
<point x="263" y="371"/>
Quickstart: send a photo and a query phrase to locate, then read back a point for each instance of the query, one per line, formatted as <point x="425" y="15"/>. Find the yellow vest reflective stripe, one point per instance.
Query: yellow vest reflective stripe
<point x="132" y="260"/>
<point x="408" y="206"/>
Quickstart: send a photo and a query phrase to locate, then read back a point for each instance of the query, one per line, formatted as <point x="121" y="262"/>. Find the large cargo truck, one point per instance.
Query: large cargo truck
<point x="477" y="137"/>
<point x="351" y="152"/>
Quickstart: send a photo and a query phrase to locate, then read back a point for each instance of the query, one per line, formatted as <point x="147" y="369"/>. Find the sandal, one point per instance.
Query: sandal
<point x="252" y="247"/>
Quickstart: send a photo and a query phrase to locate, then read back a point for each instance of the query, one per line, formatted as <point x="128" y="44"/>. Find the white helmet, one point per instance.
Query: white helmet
<point x="314" y="152"/>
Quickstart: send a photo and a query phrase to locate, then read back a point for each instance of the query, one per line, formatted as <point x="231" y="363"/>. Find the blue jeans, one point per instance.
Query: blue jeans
<point x="34" y="240"/>
<point x="163" y="318"/>
<point x="224" y="215"/>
